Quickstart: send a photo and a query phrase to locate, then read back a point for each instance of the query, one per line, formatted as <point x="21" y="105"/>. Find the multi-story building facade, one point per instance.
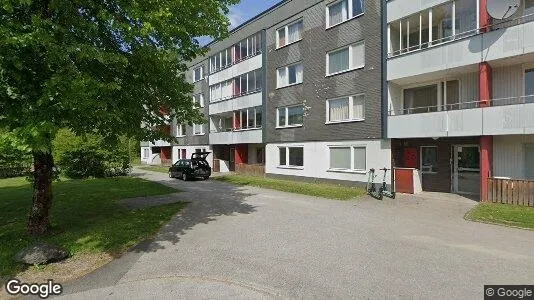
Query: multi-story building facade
<point x="297" y="89"/>
<point x="323" y="109"/>
<point x="460" y="93"/>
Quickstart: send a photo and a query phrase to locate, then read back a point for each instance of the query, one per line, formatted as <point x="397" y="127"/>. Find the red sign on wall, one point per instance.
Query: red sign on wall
<point x="410" y="158"/>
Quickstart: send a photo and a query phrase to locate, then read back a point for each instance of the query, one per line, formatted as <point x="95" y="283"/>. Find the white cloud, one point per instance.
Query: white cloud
<point x="236" y="17"/>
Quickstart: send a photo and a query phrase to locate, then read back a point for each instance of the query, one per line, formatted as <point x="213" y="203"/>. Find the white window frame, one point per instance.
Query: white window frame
<point x="286" y="112"/>
<point x="201" y="74"/>
<point x="351" y="110"/>
<point x="146" y="153"/>
<point x="421" y="159"/>
<point x="244" y="113"/>
<point x="200" y="100"/>
<point x="286" y="31"/>
<point x="351" y="66"/>
<point x="280" y="84"/>
<point x="287" y="165"/>
<point x="350" y="11"/>
<point x="352" y="162"/>
<point x="195" y="126"/>
<point x="180" y="130"/>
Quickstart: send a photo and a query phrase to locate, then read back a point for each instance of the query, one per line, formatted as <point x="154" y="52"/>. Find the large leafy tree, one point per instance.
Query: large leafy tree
<point x="97" y="66"/>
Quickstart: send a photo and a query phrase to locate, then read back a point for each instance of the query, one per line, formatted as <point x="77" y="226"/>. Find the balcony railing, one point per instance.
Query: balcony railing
<point x="258" y="52"/>
<point x="233" y="96"/>
<point x="463" y="105"/>
<point x="463" y="35"/>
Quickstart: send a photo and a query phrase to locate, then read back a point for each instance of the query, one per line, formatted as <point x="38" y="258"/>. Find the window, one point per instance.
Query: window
<point x="145" y="153"/>
<point x="198" y="129"/>
<point x="429" y="160"/>
<point x="291" y="156"/>
<point x="198" y="100"/>
<point x="343" y="10"/>
<point x="346" y="109"/>
<point x="345" y="59"/>
<point x="289" y="34"/>
<point x="348" y="158"/>
<point x="424" y="99"/>
<point x="241" y="85"/>
<point x="442" y="23"/>
<point x="289" y="75"/>
<point x="248" y="118"/>
<point x="180" y="130"/>
<point x="529" y="86"/>
<point x="290" y="116"/>
<point x="197" y="74"/>
<point x="248" y="47"/>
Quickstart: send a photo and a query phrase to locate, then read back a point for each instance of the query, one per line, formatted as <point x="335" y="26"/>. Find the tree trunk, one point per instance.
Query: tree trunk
<point x="38" y="222"/>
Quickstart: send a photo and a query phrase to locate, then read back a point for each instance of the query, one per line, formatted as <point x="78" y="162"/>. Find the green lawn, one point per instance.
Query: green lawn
<point x="330" y="191"/>
<point x="503" y="214"/>
<point x="160" y="169"/>
<point x="84" y="216"/>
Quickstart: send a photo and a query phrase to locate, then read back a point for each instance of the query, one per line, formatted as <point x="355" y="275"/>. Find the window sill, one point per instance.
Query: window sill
<point x="344" y="121"/>
<point x="347" y="171"/>
<point x="429" y="173"/>
<point x="200" y="134"/>
<point x="345" y="71"/>
<point x="290" y="167"/>
<point x="181" y="136"/>
<point x="288" y="127"/>
<point x="290" y="85"/>
<point x="280" y="47"/>
<point x="248" y="129"/>
<point x="354" y="17"/>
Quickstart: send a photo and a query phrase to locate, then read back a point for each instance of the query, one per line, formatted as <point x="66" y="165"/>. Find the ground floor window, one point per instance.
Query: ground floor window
<point x="348" y="158"/>
<point x="145" y="153"/>
<point x="291" y="156"/>
<point x="429" y="159"/>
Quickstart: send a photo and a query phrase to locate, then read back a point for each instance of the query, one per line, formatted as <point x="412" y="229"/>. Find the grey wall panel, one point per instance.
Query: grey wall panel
<point x="316" y="88"/>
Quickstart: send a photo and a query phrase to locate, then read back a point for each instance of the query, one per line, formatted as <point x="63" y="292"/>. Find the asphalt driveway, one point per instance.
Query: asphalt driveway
<point x="240" y="242"/>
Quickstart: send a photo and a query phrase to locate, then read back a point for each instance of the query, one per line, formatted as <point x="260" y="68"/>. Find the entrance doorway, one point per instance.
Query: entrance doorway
<point x="232" y="159"/>
<point x="466" y="169"/>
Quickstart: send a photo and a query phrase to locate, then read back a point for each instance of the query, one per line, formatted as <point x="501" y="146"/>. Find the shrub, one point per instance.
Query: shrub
<point x="15" y="158"/>
<point x="92" y="161"/>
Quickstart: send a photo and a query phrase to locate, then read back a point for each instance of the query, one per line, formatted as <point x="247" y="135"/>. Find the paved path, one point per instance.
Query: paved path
<point x="247" y="243"/>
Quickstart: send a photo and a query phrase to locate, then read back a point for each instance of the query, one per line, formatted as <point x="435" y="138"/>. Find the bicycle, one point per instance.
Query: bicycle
<point x="371" y="189"/>
<point x="384" y="189"/>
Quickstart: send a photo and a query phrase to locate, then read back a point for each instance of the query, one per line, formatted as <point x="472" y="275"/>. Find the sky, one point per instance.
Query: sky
<point x="243" y="12"/>
<point x="248" y="9"/>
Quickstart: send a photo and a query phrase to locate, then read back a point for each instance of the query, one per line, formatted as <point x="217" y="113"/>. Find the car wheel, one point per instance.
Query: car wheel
<point x="206" y="177"/>
<point x="184" y="177"/>
<point x="170" y="175"/>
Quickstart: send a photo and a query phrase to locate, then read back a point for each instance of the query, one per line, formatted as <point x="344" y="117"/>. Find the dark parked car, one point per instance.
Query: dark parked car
<point x="196" y="167"/>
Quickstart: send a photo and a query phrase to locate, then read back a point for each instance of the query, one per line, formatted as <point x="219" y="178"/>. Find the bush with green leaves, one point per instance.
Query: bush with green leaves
<point x="91" y="155"/>
<point x="15" y="157"/>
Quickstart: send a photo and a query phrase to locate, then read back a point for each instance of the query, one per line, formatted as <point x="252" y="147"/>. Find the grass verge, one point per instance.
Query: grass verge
<point x="85" y="217"/>
<point x="159" y="169"/>
<point x="503" y="214"/>
<point x="330" y="191"/>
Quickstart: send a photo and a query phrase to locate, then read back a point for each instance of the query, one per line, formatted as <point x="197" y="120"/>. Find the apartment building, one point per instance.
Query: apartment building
<point x="460" y="94"/>
<point x="324" y="102"/>
<point x="296" y="91"/>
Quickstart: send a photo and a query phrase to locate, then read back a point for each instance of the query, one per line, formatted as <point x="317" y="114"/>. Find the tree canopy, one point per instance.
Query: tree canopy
<point x="98" y="66"/>
<point x="101" y="67"/>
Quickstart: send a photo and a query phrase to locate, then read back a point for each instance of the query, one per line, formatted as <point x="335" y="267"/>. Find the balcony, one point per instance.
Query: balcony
<point x="160" y="143"/>
<point x="248" y="100"/>
<point x="511" y="38"/>
<point x="239" y="68"/>
<point x="249" y="136"/>
<point x="506" y="116"/>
